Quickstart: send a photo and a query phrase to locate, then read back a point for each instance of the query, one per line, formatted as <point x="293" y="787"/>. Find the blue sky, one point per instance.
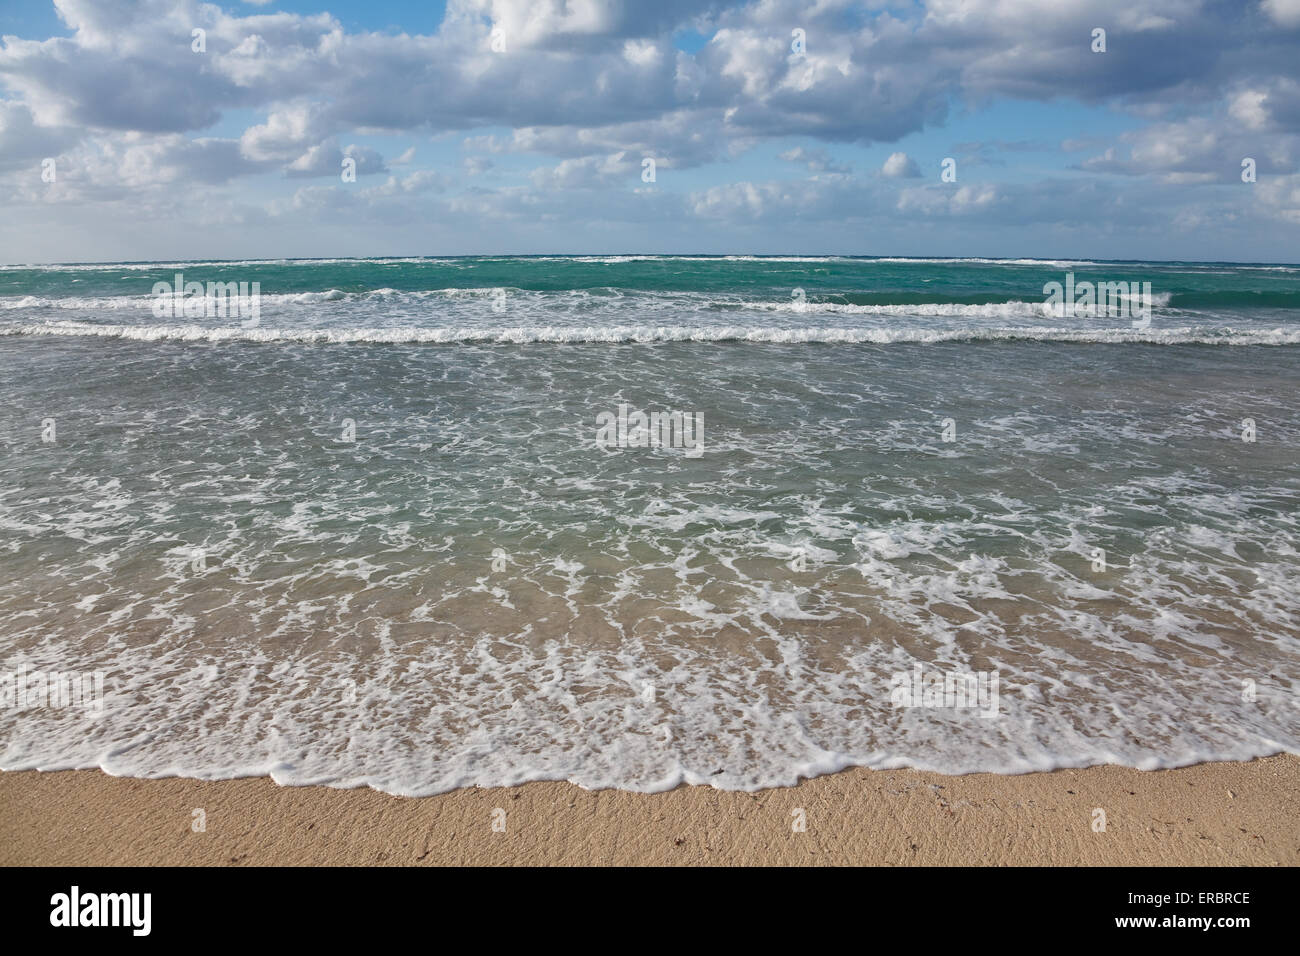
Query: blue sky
<point x="537" y="145"/>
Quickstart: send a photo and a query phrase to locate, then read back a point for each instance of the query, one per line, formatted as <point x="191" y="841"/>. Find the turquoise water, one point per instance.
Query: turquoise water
<point x="372" y="538"/>
<point x="651" y="298"/>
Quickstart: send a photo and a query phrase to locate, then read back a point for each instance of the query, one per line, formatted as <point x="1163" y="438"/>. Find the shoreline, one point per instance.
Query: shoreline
<point x="1209" y="814"/>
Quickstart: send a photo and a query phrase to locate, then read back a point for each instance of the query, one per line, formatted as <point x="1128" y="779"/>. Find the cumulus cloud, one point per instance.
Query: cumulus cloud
<point x="576" y="93"/>
<point x="326" y="159"/>
<point x="1199" y="149"/>
<point x="590" y="171"/>
<point x="22" y="141"/>
<point x="1280" y="197"/>
<point x="285" y="135"/>
<point x="949" y="200"/>
<point x="900" y="166"/>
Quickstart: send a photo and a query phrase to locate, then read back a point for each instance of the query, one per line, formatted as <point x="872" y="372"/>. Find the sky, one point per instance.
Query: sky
<point x="167" y="129"/>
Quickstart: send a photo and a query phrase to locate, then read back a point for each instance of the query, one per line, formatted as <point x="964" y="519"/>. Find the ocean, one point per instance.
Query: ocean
<point x="633" y="521"/>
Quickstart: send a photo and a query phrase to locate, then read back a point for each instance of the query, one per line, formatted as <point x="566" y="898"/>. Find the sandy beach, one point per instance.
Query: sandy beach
<point x="1209" y="814"/>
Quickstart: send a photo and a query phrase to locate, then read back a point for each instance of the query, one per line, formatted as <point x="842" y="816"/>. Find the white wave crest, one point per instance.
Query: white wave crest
<point x="525" y="335"/>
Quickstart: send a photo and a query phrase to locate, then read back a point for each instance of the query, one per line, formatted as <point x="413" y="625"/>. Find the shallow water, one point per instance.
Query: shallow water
<point x="912" y="465"/>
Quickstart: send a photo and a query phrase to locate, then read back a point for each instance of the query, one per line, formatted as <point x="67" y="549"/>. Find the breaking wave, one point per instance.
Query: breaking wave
<point x="561" y="335"/>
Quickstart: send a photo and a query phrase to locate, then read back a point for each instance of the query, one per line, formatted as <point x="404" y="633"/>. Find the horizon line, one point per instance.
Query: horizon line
<point x="650" y="255"/>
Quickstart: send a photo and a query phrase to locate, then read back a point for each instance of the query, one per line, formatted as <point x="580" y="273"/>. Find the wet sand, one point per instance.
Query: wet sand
<point x="1209" y="814"/>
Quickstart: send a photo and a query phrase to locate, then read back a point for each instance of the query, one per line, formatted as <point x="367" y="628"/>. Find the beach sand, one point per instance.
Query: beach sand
<point x="1209" y="814"/>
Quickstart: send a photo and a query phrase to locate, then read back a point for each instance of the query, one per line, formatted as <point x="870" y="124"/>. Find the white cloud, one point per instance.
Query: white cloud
<point x="326" y="159"/>
<point x="587" y="88"/>
<point x="900" y="166"/>
<point x="590" y="171"/>
<point x="1247" y="107"/>
<point x="285" y="134"/>
<point x="1279" y="197"/>
<point x="1284" y="12"/>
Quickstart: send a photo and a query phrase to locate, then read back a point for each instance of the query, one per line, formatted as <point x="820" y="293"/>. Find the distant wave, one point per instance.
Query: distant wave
<point x="614" y="334"/>
<point x="995" y="262"/>
<point x="1009" y="309"/>
<point x="856" y="304"/>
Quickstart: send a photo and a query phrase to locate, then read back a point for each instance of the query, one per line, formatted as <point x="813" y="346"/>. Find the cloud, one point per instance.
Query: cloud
<point x="578" y="24"/>
<point x="326" y="159"/>
<point x="816" y="160"/>
<point x="1280" y="197"/>
<point x="948" y="200"/>
<point x="22" y="141"/>
<point x="585" y="89"/>
<point x="900" y="166"/>
<point x="590" y="172"/>
<point x="1283" y="12"/>
<point x="421" y="181"/>
<point x="1199" y="149"/>
<point x="286" y="133"/>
